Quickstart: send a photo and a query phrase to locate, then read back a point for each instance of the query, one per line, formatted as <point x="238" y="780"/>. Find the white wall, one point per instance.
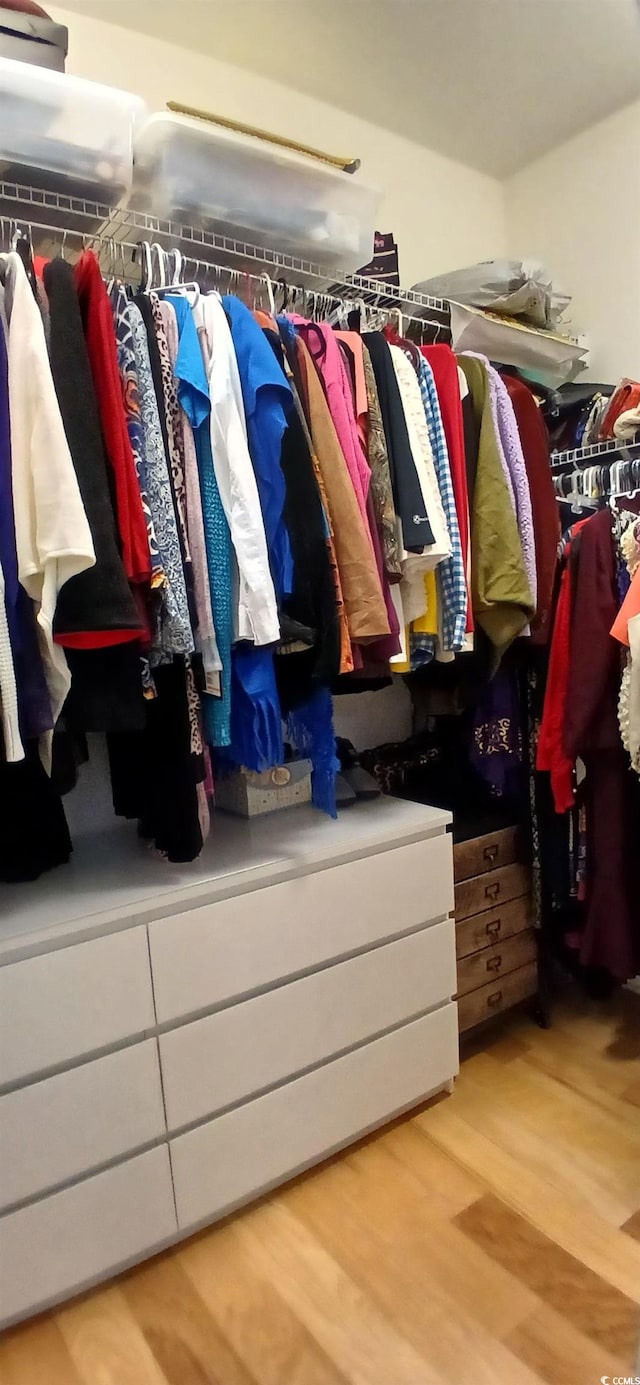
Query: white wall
<point x="442" y="213"/>
<point x="578" y="210"/>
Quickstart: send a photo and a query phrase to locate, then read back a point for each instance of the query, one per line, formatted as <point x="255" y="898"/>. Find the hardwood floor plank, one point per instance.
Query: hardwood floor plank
<point x="554" y="1133"/>
<point x="185" y="1339"/>
<point x="393" y="1267"/>
<point x="594" y="1307"/>
<point x="455" y="1187"/>
<point x="251" y="1310"/>
<point x="632" y="1226"/>
<point x="361" y="1339"/>
<point x="434" y="1251"/>
<point x="36" y="1354"/>
<point x="564" y="1215"/>
<point x="632" y="1094"/>
<point x="105" y="1343"/>
<point x="561" y="1355"/>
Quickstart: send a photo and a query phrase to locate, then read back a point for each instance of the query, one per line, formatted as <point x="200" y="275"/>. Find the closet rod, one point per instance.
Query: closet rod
<point x="120" y="223"/>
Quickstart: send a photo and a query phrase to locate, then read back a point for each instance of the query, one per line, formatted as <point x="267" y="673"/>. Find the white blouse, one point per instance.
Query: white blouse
<point x="256" y="608"/>
<point x="53" y="538"/>
<point x="414" y="565"/>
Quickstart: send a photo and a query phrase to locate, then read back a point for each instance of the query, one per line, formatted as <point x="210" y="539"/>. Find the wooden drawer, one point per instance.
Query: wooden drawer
<point x="480" y="854"/>
<point x="56" y="1130"/>
<point x="63" y="1243"/>
<point x="496" y="887"/>
<point x="225" y="950"/>
<point x="251" y="1046"/>
<point x="492" y="925"/>
<point x="241" y="1154"/>
<point x="497" y="996"/>
<point x="496" y="961"/>
<point x="62" y="1005"/>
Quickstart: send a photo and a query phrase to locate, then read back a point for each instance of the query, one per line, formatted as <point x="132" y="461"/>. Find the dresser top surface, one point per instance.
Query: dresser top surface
<point x="113" y="880"/>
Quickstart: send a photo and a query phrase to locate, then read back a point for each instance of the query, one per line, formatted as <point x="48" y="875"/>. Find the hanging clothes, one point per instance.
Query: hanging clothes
<point x="544" y="508"/>
<point x="381" y="488"/>
<point x="195" y="404"/>
<point x="96" y="614"/>
<point x="34" y="706"/>
<point x="99" y="331"/>
<point x="172" y="633"/>
<point x="611" y="936"/>
<point x="407" y="492"/>
<point x="364" y="603"/>
<point x="451" y="573"/>
<point x="501" y="595"/>
<point x="444" y="368"/>
<point x="53" y="537"/>
<point x="266" y="398"/>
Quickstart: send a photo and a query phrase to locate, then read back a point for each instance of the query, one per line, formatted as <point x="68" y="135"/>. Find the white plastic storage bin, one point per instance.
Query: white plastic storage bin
<point x="203" y="174"/>
<point x="65" y="134"/>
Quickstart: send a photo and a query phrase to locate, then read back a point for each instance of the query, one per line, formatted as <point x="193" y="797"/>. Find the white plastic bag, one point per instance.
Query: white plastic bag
<point x="543" y="356"/>
<point x="512" y="288"/>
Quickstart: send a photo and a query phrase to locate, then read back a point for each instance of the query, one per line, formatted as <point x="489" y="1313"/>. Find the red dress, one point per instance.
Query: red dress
<point x="100" y="337"/>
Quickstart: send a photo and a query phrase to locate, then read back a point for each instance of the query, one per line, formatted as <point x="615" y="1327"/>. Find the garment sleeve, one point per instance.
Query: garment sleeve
<point x="595" y="658"/>
<point x="53" y="538"/>
<point x="258" y="613"/>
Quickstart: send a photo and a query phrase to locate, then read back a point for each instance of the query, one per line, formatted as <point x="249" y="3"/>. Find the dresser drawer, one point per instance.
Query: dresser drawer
<point x="480" y="854"/>
<point x="222" y="951"/>
<point x="496" y="961"/>
<point x="496" y="887"/>
<point x="497" y="996"/>
<point x="56" y="1130"/>
<point x="493" y="925"/>
<point x="242" y="1153"/>
<point x="65" y="1004"/>
<point x="57" y="1246"/>
<point x="244" y="1049"/>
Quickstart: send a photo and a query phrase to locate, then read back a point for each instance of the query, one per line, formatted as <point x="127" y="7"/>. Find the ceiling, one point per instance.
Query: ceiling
<point x="493" y="83"/>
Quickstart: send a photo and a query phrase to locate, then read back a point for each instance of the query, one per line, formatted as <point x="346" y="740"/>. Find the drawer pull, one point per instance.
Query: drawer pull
<point x="490" y="852"/>
<point x="494" y="999"/>
<point x="494" y="963"/>
<point x="493" y="928"/>
<point x="492" y="891"/>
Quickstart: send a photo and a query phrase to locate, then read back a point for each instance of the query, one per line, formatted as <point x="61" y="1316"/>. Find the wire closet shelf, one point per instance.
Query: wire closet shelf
<point x="597" y="453"/>
<point x="46" y="214"/>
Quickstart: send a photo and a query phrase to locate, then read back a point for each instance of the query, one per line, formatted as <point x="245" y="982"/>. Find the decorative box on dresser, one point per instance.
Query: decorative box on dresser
<point x="495" y="941"/>
<point x="174" y="1041"/>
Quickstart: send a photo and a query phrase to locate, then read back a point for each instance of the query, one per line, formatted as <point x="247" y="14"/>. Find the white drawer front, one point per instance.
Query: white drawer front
<point x="239" y="1051"/>
<point x="241" y="1154"/>
<point x="57" y="1246"/>
<point x="56" y="1130"/>
<point x="60" y="1005"/>
<point x="224" y="950"/>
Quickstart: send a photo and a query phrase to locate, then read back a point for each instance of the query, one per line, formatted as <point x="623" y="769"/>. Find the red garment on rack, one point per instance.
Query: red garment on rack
<point x="551" y="754"/>
<point x="97" y="317"/>
<point x="445" y="373"/>
<point x="544" y="507"/>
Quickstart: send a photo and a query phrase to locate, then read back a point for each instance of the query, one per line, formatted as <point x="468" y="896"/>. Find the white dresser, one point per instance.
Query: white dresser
<point x="176" y="1040"/>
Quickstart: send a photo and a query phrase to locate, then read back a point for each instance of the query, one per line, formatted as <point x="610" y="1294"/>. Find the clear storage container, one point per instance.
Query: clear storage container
<point x="217" y="179"/>
<point x="65" y="134"/>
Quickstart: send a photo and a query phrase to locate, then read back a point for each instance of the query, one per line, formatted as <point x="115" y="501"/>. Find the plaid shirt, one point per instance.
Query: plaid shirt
<point x="450" y="573"/>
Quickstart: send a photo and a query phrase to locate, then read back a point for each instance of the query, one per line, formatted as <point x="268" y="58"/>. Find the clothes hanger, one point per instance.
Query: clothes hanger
<point x="144" y="249"/>
<point x="264" y="278"/>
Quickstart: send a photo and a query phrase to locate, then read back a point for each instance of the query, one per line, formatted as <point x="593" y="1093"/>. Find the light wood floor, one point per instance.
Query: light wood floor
<point x="494" y="1237"/>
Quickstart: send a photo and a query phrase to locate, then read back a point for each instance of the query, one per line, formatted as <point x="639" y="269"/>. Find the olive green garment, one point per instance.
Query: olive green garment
<point x="502" y="601"/>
